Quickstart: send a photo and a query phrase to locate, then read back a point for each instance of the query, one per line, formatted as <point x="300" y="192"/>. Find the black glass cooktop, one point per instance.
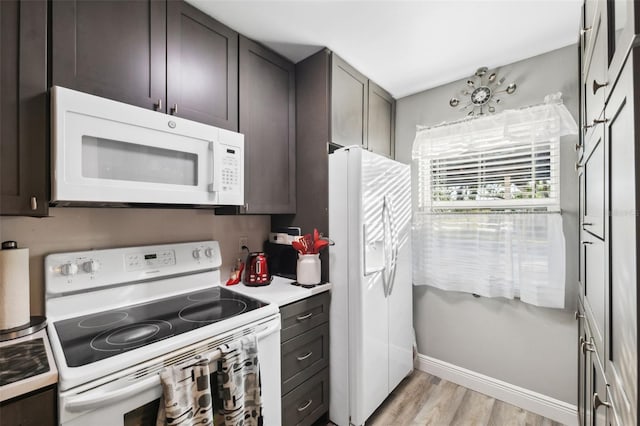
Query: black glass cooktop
<point x="101" y="335"/>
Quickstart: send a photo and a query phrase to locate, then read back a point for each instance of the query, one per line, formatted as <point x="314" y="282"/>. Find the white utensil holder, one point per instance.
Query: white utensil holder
<point x="308" y="269"/>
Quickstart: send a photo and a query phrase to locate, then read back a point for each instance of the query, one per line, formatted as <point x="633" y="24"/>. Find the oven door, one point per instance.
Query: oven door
<point x="108" y="152"/>
<point x="123" y="401"/>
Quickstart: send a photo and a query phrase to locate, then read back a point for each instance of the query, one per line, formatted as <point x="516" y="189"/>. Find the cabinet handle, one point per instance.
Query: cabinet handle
<point x="305" y="356"/>
<point x="305" y="406"/>
<point x="586" y="346"/>
<point x="34" y="203"/>
<point x="597" y="402"/>
<point x="577" y="166"/>
<point x="578" y="316"/>
<point x="583" y="31"/>
<point x="174" y="109"/>
<point x="578" y="146"/>
<point x="597" y="86"/>
<point x="158" y="105"/>
<point x="586" y="242"/>
<point x="587" y="224"/>
<point x="304" y="317"/>
<point x="595" y="122"/>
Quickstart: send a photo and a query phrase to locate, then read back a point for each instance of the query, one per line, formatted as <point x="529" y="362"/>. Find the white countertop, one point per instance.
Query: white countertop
<point x="280" y="291"/>
<point x="33" y="383"/>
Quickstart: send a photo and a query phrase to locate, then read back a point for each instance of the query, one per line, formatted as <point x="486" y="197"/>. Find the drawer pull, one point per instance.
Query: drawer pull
<point x="578" y="315"/>
<point x="585" y="30"/>
<point x="174" y="109"/>
<point x="587" y="243"/>
<point x="578" y="146"/>
<point x="586" y="346"/>
<point x="578" y="166"/>
<point x="594" y="123"/>
<point x="34" y="203"/>
<point x="597" y="86"/>
<point x="158" y="105"/>
<point x="305" y="356"/>
<point x="597" y="402"/>
<point x="305" y="405"/>
<point x="304" y="317"/>
<point x="587" y="224"/>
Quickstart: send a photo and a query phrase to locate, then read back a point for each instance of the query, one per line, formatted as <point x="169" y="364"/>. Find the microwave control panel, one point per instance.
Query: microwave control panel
<point x="230" y="168"/>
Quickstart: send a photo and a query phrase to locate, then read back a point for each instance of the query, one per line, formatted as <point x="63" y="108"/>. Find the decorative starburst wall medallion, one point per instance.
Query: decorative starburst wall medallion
<point x="480" y="93"/>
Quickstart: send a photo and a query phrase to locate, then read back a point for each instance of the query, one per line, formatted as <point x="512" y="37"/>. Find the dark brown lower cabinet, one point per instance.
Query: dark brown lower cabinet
<point x="24" y="166"/>
<point x="34" y="409"/>
<point x="305" y="360"/>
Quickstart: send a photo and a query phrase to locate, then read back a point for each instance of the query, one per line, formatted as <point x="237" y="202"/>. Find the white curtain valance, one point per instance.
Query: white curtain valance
<point x="537" y="124"/>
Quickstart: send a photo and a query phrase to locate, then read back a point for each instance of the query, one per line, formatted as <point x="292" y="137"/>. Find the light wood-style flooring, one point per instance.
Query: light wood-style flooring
<point x="422" y="399"/>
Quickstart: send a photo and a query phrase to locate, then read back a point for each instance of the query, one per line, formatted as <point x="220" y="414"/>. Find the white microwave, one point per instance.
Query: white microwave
<point x="109" y="153"/>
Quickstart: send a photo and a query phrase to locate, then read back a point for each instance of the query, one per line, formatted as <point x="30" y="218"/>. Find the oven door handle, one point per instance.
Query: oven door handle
<point x="93" y="400"/>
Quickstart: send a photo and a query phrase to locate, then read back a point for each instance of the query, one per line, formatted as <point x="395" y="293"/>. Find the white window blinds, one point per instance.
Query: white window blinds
<point x="480" y="186"/>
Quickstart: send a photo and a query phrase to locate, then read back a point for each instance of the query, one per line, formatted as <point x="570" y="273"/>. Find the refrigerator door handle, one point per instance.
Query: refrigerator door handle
<point x="394" y="246"/>
<point x="388" y="241"/>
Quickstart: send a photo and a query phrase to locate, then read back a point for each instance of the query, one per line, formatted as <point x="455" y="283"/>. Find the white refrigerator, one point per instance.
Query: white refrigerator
<point x="370" y="270"/>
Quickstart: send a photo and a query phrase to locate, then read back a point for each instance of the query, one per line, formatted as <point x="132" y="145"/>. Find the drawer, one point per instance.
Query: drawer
<point x="306" y="403"/>
<point x="304" y="315"/>
<point x="303" y="356"/>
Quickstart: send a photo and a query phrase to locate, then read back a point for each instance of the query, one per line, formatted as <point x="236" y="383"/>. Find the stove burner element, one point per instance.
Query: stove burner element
<point x="212" y="311"/>
<point x="213" y="293"/>
<point x="131" y="336"/>
<point x="103" y="319"/>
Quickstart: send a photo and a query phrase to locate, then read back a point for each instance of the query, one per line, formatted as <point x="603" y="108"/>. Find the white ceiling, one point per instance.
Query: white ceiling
<point x="406" y="46"/>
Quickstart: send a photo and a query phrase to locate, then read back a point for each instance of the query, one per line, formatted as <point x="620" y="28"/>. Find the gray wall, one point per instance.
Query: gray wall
<point x="74" y="229"/>
<point x="531" y="347"/>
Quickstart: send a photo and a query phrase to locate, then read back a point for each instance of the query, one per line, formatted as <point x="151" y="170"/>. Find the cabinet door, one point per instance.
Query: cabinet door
<point x="595" y="66"/>
<point x="595" y="287"/>
<point x="202" y="67"/>
<point x="583" y="370"/>
<point x="349" y="101"/>
<point x="267" y="120"/>
<point x="621" y="368"/>
<point x="24" y="177"/>
<point x="381" y="121"/>
<point x="113" y="49"/>
<point x="593" y="170"/>
<point x="37" y="409"/>
<point x="598" y="396"/>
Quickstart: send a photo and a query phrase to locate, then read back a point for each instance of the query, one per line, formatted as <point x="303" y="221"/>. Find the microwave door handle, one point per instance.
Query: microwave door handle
<point x="213" y="184"/>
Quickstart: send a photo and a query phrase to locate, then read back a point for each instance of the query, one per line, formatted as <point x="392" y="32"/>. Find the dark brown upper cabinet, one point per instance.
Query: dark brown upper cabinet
<point x="161" y="55"/>
<point x="112" y="49"/>
<point x="202" y="67"/>
<point x="24" y="169"/>
<point x="349" y="100"/>
<point x="381" y="121"/>
<point x="267" y="120"/>
<point x="362" y="113"/>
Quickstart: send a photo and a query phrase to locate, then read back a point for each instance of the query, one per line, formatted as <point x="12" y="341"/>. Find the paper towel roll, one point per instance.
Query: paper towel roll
<point x="14" y="288"/>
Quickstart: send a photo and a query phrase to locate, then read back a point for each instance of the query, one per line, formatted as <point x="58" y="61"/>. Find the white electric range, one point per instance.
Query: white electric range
<point x="117" y="317"/>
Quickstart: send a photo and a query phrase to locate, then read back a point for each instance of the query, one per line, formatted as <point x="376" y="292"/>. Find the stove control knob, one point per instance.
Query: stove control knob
<point x="208" y="252"/>
<point x="69" y="269"/>
<point x="91" y="266"/>
<point x="196" y="253"/>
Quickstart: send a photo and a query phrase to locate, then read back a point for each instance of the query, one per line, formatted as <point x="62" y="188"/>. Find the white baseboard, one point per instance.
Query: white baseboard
<point x="543" y="405"/>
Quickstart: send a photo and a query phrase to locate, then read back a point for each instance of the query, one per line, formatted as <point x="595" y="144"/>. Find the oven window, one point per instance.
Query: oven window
<point x="143" y="416"/>
<point x="116" y="160"/>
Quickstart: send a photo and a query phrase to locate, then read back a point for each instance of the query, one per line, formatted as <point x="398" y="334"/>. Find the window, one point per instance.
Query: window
<point x="487" y="217"/>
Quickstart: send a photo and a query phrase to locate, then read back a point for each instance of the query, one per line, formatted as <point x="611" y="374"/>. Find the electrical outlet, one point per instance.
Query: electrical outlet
<point x="243" y="241"/>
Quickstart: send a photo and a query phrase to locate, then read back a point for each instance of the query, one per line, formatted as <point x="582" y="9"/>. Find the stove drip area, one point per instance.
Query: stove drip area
<point x="94" y="337"/>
